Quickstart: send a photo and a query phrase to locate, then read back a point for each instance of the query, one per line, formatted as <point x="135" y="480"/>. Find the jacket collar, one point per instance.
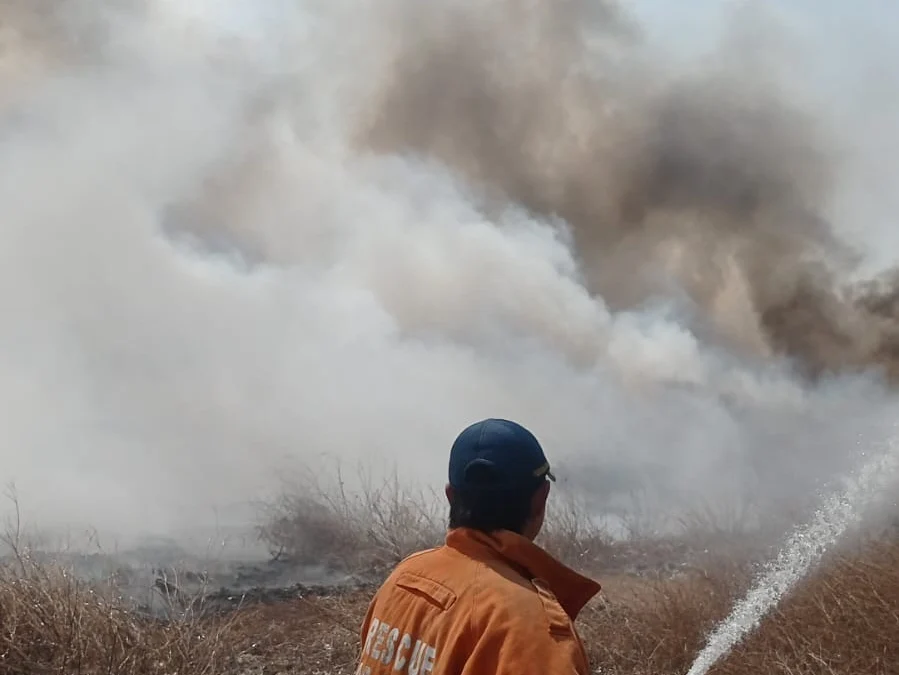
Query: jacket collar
<point x="571" y="589"/>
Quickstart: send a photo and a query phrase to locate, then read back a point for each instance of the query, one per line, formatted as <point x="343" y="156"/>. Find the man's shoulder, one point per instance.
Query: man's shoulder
<point x="439" y="562"/>
<point x="507" y="590"/>
<point x="414" y="557"/>
<point x="493" y="581"/>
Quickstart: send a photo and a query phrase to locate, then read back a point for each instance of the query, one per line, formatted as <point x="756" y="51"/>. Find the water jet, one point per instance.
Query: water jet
<point x="801" y="551"/>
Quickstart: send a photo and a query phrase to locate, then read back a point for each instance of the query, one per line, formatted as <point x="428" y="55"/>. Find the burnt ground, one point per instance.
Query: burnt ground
<point x="240" y="585"/>
<point x="163" y="579"/>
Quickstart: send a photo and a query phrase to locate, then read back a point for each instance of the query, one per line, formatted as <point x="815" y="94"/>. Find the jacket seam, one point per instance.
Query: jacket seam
<point x="474" y="601"/>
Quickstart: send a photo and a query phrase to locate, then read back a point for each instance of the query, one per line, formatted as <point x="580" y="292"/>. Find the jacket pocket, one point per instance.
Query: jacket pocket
<point x="433" y="591"/>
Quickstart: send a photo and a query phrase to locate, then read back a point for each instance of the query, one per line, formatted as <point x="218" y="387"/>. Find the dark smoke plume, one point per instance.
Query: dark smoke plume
<point x="715" y="179"/>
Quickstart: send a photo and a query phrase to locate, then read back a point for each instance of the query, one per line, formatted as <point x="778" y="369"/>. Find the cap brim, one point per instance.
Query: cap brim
<point x="545" y="471"/>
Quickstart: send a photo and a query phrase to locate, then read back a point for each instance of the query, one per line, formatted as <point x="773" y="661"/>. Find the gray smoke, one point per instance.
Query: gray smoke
<point x="238" y="237"/>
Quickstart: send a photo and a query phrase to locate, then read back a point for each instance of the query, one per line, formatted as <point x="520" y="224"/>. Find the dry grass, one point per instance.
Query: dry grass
<point x="843" y="620"/>
<point x="51" y="622"/>
<point x="320" y="522"/>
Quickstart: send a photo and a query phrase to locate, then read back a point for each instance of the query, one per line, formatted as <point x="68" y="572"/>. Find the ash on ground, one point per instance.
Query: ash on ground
<point x="162" y="578"/>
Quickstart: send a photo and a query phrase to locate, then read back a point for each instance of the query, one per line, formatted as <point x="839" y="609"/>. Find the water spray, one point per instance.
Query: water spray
<point x="802" y="550"/>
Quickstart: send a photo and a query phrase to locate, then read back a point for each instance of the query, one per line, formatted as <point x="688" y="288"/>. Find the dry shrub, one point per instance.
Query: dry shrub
<point x="310" y="636"/>
<point x="318" y="522"/>
<point x="659" y="626"/>
<point x="52" y="622"/>
<point x="572" y="536"/>
<point x="844" y="619"/>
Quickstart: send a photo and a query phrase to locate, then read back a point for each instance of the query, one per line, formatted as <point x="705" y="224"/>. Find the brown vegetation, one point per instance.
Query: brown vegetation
<point x="842" y="620"/>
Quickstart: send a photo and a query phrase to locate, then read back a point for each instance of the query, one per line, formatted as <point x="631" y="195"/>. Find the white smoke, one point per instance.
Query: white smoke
<point x="202" y="280"/>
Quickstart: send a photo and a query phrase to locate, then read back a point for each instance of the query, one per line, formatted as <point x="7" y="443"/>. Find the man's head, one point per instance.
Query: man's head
<point x="498" y="479"/>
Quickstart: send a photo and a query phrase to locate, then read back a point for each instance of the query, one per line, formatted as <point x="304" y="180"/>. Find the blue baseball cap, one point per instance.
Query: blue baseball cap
<point x="496" y="454"/>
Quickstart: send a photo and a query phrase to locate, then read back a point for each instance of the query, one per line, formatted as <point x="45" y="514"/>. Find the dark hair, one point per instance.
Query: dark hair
<point x="488" y="510"/>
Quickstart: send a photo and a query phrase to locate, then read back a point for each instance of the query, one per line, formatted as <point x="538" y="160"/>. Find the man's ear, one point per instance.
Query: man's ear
<point x="538" y="511"/>
<point x="538" y="501"/>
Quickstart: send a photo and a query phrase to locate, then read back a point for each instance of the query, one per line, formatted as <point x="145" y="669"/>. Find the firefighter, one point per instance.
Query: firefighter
<point x="489" y="601"/>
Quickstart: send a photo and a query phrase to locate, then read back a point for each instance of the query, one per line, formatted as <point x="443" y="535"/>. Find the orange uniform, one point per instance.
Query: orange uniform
<point x="479" y="605"/>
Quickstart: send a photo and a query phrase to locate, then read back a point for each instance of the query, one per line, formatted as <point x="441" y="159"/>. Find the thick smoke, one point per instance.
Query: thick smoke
<point x="241" y="236"/>
<point x="715" y="178"/>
